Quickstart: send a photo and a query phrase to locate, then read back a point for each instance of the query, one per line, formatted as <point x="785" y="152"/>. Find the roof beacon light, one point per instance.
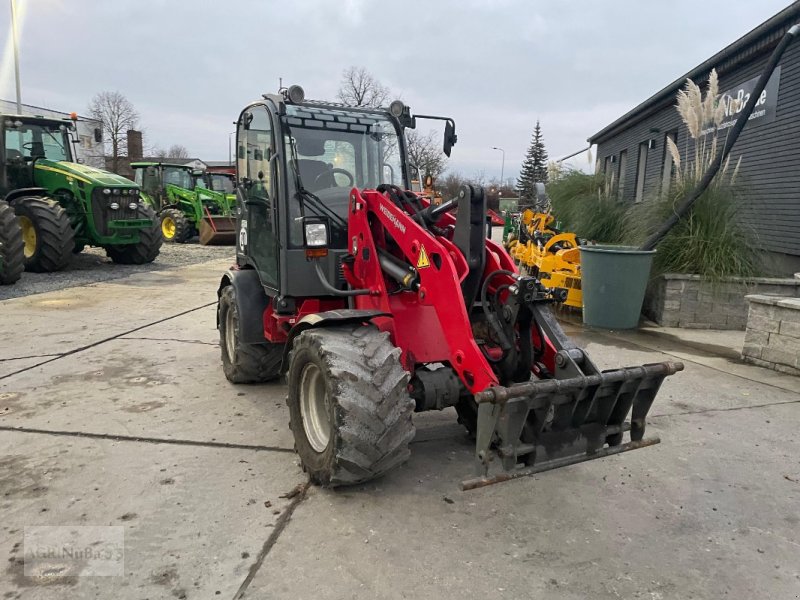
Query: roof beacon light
<point x="396" y="109"/>
<point x="73" y="116"/>
<point x="296" y="94"/>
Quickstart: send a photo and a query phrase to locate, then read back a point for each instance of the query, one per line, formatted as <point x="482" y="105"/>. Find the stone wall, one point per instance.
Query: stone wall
<point x="772" y="338"/>
<point x="678" y="300"/>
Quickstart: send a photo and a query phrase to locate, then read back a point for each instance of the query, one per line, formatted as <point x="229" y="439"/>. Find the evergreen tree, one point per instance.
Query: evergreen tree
<point x="534" y="168"/>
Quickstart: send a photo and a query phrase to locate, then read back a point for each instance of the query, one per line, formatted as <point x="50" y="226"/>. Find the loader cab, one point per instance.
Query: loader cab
<point x="219" y="182"/>
<point x="153" y="178"/>
<point x="26" y="140"/>
<point x="298" y="161"/>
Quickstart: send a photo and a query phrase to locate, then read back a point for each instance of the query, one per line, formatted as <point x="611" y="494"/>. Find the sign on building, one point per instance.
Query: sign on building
<point x="734" y="100"/>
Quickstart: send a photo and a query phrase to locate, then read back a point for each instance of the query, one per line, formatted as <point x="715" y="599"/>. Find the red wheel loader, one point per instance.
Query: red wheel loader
<point x="375" y="304"/>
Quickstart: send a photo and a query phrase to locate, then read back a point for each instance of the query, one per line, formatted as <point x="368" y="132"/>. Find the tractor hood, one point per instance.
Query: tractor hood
<point x="90" y="175"/>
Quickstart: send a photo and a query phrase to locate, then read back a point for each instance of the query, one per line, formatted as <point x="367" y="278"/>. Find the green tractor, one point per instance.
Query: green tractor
<point x="62" y="206"/>
<point x="189" y="202"/>
<point x="12" y="255"/>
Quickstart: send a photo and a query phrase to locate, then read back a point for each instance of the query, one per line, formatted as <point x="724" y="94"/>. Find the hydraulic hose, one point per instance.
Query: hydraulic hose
<point x="332" y="290"/>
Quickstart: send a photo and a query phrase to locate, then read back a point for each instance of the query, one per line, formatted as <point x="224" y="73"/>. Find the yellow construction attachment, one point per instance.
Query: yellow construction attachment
<point x="548" y="254"/>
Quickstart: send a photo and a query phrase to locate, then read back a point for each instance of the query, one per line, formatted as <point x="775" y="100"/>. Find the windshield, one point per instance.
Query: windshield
<point x="37" y="140"/>
<point x="332" y="151"/>
<point x="221" y="183"/>
<point x="178" y="176"/>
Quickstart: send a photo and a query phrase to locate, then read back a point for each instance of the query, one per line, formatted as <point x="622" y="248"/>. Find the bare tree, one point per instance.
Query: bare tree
<point x="359" y="88"/>
<point x="450" y="184"/>
<point x="425" y="152"/>
<point x="117" y="115"/>
<point x="177" y="151"/>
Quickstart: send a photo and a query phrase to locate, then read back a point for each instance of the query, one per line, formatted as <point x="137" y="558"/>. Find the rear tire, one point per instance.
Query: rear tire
<point x="12" y="248"/>
<point x="175" y="227"/>
<point x="241" y="362"/>
<point x="146" y="249"/>
<point x="46" y="232"/>
<point x="348" y="403"/>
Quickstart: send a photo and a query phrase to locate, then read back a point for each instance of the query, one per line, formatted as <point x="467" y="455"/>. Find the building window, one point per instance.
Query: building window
<point x="668" y="172"/>
<point x="641" y="170"/>
<point x="623" y="166"/>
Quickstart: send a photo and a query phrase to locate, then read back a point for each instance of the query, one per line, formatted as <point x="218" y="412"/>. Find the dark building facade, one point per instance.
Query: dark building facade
<point x="634" y="147"/>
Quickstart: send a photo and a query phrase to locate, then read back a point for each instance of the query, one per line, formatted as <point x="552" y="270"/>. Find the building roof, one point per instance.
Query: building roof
<point x="755" y="43"/>
<point x="31" y="107"/>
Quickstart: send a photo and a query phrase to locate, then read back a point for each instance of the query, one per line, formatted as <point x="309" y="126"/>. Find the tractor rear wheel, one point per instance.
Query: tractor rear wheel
<point x="146" y="249"/>
<point x="12" y="256"/>
<point x="175" y="227"/>
<point x="242" y="362"/>
<point x="349" y="407"/>
<point x="46" y="232"/>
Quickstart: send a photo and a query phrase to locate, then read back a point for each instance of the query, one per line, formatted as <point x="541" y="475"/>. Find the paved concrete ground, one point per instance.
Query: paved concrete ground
<point x="114" y="411"/>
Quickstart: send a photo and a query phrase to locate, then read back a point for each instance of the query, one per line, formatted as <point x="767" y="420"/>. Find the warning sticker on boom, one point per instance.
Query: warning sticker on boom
<point x="423" y="260"/>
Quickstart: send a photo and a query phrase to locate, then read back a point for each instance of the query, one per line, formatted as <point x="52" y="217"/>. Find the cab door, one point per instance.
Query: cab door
<point x="256" y="193"/>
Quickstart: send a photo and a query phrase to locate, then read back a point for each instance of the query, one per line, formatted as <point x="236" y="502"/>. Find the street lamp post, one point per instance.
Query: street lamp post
<point x="230" y="154"/>
<point x="502" y="165"/>
<point x="16" y="53"/>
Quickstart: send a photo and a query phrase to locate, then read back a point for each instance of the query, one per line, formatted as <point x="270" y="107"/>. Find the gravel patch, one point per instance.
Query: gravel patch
<point x="92" y="265"/>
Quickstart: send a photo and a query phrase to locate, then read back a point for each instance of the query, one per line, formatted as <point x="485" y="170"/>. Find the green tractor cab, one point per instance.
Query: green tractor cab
<point x="189" y="202"/>
<point x="62" y="206"/>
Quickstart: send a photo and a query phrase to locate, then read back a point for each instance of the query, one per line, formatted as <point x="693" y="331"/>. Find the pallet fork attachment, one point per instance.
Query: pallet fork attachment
<point x="577" y="415"/>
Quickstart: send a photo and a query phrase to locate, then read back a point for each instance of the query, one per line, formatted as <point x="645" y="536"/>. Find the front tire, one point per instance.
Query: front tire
<point x="146" y="249"/>
<point x="12" y="253"/>
<point x="241" y="362"/>
<point x="175" y="227"/>
<point x="349" y="407"/>
<point x="46" y="232"/>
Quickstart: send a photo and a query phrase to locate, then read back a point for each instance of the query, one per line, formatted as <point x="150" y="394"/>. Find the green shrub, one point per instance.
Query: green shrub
<point x="712" y="241"/>
<point x="586" y="205"/>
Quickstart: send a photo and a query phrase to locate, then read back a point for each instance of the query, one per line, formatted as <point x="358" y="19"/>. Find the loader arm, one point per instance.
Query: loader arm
<point x="540" y="402"/>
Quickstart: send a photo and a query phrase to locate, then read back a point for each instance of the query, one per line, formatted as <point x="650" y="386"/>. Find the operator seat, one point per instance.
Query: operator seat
<point x="310" y="170"/>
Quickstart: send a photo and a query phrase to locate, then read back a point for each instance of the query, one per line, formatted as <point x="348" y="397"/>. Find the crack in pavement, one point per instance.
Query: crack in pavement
<point x="146" y="440"/>
<point x="31" y="356"/>
<point x="104" y="340"/>
<point x="280" y="525"/>
<point x="149" y="339"/>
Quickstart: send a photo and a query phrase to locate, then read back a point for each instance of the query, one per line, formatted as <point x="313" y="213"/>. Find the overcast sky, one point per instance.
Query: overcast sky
<point x="495" y="66"/>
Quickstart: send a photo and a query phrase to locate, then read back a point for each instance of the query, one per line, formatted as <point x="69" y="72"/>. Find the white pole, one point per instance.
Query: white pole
<point x="16" y="53"/>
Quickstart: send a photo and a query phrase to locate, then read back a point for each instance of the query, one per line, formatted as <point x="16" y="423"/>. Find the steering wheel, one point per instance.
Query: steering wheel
<point x="334" y="171"/>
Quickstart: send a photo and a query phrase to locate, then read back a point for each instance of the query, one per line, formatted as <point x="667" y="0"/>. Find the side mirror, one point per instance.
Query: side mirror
<point x="450" y="137"/>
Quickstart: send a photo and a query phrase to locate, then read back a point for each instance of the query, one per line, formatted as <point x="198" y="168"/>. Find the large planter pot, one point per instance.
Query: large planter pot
<point x="614" y="280"/>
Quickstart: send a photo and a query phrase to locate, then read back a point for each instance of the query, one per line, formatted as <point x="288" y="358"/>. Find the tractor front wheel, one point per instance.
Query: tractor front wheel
<point x="349" y="407"/>
<point x="12" y="256"/>
<point x="146" y="249"/>
<point x="46" y="233"/>
<point x="242" y="362"/>
<point x="175" y="227"/>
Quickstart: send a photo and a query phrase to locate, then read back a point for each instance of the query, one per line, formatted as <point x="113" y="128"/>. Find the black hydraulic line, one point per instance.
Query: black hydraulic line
<point x="715" y="165"/>
<point x="332" y="290"/>
<point x="492" y="318"/>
